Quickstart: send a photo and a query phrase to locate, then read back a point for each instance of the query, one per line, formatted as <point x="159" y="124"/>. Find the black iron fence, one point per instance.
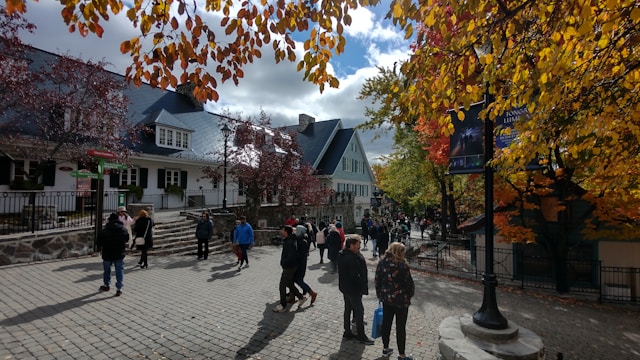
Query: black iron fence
<point x="459" y="258"/>
<point x="33" y="210"/>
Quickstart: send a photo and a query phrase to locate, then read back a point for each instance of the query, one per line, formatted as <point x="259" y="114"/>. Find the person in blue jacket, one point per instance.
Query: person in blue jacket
<point x="243" y="235"/>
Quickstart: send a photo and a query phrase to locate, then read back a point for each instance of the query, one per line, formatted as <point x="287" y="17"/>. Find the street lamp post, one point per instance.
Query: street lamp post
<point x="488" y="316"/>
<point x="226" y="132"/>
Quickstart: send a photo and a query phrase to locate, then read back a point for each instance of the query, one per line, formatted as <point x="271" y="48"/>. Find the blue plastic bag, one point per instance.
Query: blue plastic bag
<point x="376" y="324"/>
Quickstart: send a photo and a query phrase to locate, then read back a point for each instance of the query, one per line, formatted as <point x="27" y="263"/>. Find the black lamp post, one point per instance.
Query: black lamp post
<point x="488" y="316"/>
<point x="226" y="132"/>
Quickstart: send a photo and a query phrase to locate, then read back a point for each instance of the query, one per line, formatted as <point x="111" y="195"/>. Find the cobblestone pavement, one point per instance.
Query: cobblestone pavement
<point x="181" y="308"/>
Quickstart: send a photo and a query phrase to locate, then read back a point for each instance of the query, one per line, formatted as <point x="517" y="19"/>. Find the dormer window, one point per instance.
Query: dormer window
<point x="172" y="138"/>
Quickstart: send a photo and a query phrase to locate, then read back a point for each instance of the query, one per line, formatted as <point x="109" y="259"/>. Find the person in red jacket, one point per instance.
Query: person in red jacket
<point x="341" y="232"/>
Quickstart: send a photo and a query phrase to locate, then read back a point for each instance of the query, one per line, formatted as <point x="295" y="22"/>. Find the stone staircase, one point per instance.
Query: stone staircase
<point x="177" y="237"/>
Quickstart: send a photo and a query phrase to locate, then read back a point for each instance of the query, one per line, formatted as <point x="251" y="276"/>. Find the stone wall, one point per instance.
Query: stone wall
<point x="55" y="244"/>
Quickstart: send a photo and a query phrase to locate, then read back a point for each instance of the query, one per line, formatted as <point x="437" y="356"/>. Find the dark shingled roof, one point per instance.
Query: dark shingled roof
<point x="314" y="139"/>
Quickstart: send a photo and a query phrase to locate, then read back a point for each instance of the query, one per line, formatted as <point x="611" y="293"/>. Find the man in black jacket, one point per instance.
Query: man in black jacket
<point x="289" y="263"/>
<point x="113" y="241"/>
<point x="353" y="283"/>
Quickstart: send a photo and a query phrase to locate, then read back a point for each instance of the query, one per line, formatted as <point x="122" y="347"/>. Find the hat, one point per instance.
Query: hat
<point x="113" y="217"/>
<point x="121" y="208"/>
<point x="338" y="225"/>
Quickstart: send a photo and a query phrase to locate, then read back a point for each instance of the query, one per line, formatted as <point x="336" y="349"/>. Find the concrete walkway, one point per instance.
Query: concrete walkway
<point x="181" y="308"/>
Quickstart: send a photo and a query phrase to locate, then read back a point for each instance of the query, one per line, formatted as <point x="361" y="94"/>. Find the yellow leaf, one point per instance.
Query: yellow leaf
<point x="635" y="14"/>
<point x="461" y="115"/>
<point x="430" y="20"/>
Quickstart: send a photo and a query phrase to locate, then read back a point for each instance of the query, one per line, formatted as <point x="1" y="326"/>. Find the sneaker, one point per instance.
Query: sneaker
<point x="246" y="266"/>
<point x="408" y="357"/>
<point x="365" y="340"/>
<point x="118" y="293"/>
<point x="104" y="288"/>
<point x="279" y="308"/>
<point x="314" y="295"/>
<point x="348" y="335"/>
<point x="302" y="301"/>
<point x="387" y="352"/>
<point x="239" y="268"/>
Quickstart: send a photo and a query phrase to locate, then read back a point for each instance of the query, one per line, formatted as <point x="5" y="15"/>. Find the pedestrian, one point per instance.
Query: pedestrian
<point x="289" y="264"/>
<point x="333" y="247"/>
<point x="244" y="236"/>
<point x="125" y="219"/>
<point x="382" y="239"/>
<point x="291" y="221"/>
<point x="143" y="228"/>
<point x="364" y="228"/>
<point x="373" y="233"/>
<point x="321" y="239"/>
<point x="112" y="240"/>
<point x="394" y="288"/>
<point x="353" y="284"/>
<point x="341" y="232"/>
<point x="303" y="255"/>
<point x="204" y="233"/>
<point x="423" y="227"/>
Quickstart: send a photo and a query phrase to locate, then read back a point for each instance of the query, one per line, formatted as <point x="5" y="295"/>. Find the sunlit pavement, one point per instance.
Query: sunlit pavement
<point x="182" y="308"/>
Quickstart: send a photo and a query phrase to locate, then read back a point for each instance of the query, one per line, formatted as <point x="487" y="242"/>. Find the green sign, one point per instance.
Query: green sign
<point x="83" y="174"/>
<point x="109" y="165"/>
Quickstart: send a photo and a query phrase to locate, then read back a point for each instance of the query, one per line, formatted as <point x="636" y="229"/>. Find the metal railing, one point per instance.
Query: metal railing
<point x="457" y="257"/>
<point x="34" y="210"/>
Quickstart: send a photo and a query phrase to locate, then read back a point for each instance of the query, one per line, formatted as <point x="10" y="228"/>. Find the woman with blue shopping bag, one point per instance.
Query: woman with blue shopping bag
<point x="394" y="289"/>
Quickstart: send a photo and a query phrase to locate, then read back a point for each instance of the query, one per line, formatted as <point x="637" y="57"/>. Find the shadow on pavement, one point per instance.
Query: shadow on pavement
<point x="270" y="327"/>
<point x="353" y="349"/>
<point x="45" y="311"/>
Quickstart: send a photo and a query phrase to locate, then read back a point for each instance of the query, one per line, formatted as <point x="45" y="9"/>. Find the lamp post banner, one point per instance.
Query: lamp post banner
<point x="466" y="151"/>
<point x="506" y="132"/>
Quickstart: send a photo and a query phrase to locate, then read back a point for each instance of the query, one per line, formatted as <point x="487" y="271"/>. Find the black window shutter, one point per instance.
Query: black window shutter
<point x="49" y="174"/>
<point x="114" y="179"/>
<point x="183" y="179"/>
<point x="160" y="178"/>
<point x="144" y="178"/>
<point x="5" y="171"/>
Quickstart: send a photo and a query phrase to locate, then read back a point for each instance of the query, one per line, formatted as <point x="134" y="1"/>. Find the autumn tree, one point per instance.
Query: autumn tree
<point x="55" y="108"/>
<point x="575" y="66"/>
<point x="419" y="148"/>
<point x="267" y="163"/>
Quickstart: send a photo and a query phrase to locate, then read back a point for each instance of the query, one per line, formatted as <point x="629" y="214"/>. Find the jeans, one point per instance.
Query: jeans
<point x="401" y="314"/>
<point x="203" y="243"/>
<point x="322" y="247"/>
<point x="353" y="303"/>
<point x="106" y="275"/>
<point x="298" y="278"/>
<point x="373" y="244"/>
<point x="286" y="281"/>
<point x="245" y="257"/>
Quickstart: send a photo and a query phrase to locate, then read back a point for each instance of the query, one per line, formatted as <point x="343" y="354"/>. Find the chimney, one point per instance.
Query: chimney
<point x="187" y="90"/>
<point x="303" y="122"/>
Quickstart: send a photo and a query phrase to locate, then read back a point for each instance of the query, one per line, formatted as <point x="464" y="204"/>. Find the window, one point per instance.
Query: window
<point x="129" y="176"/>
<point x="347" y="165"/>
<point x="24" y="169"/>
<point x="169" y="137"/>
<point x="172" y="177"/>
<point x="173" y="138"/>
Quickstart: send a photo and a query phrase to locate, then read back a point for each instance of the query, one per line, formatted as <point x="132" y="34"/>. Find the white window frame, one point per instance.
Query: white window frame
<point x="171" y="177"/>
<point x="176" y="139"/>
<point x="130" y="176"/>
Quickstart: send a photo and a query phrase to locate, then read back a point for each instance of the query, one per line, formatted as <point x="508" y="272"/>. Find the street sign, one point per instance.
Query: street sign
<point x="83" y="174"/>
<point x="109" y="165"/>
<point x="103" y="154"/>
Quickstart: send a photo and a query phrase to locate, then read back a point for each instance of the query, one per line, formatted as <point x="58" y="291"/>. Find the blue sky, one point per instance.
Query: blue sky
<point x="277" y="89"/>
